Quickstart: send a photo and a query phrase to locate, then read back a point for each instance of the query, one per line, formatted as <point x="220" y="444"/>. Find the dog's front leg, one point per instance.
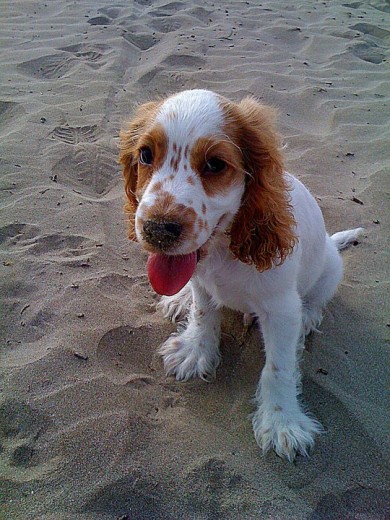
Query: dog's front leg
<point x="279" y="421"/>
<point x="195" y="351"/>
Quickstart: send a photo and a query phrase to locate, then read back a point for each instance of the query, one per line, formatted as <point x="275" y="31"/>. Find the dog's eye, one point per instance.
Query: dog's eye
<point x="214" y="165"/>
<point x="145" y="156"/>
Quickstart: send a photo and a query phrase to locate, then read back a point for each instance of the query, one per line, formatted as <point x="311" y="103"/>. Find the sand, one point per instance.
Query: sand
<point x="90" y="426"/>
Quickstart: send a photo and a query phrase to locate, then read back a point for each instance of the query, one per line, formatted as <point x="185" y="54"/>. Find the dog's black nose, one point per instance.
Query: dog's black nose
<point x="161" y="234"/>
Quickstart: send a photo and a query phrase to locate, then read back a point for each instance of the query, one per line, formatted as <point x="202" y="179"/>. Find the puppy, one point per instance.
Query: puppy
<point x="225" y="225"/>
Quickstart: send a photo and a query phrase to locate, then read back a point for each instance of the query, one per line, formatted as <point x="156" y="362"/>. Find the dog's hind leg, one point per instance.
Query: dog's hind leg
<point x="323" y="290"/>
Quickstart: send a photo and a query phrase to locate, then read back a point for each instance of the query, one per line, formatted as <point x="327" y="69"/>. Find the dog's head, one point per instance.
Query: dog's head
<point x="197" y="164"/>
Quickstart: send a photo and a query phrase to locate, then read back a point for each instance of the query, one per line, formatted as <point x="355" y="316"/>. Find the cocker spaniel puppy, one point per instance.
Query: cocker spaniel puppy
<point x="225" y="225"/>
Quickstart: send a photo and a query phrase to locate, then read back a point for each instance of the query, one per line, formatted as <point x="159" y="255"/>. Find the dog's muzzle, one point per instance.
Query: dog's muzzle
<point x="161" y="234"/>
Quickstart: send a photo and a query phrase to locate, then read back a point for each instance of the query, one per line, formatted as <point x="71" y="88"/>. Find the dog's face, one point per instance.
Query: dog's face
<point x="189" y="173"/>
<point x="196" y="164"/>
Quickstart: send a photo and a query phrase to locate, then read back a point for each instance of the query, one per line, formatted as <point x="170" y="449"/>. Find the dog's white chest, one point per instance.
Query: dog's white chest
<point x="228" y="281"/>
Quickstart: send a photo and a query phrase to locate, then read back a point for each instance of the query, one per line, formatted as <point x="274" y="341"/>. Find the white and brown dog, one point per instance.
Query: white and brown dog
<point x="225" y="225"/>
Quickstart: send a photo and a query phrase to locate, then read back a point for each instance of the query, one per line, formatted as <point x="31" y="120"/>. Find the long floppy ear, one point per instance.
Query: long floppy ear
<point x="129" y="137"/>
<point x="262" y="232"/>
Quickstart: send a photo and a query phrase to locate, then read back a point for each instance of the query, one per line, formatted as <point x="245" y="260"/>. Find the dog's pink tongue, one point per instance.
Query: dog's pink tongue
<point x="169" y="274"/>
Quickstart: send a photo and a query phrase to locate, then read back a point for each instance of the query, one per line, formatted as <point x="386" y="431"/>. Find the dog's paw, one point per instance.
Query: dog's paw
<point x="176" y="307"/>
<point x="288" y="434"/>
<point x="185" y="357"/>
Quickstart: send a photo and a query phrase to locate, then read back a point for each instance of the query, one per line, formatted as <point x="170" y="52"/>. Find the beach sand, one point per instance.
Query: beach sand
<point x="90" y="426"/>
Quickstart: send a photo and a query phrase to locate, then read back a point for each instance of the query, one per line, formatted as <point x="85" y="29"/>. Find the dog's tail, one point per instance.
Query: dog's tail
<point x="343" y="239"/>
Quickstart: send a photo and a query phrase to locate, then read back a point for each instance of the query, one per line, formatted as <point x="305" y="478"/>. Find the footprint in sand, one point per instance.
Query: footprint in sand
<point x="89" y="170"/>
<point x="213" y="472"/>
<point x="212" y="482"/>
<point x="13" y="233"/>
<point x="137" y="494"/>
<point x="167" y="24"/>
<point x="106" y="15"/>
<point x="99" y="20"/>
<point x="49" y="67"/>
<point x="368" y="51"/>
<point x="75" y="135"/>
<point x="372" y="30"/>
<point x="165" y="21"/>
<point x="125" y="354"/>
<point x="168" y="9"/>
<point x="20" y="428"/>
<point x="200" y="13"/>
<point x="86" y="52"/>
<point x="69" y="249"/>
<point x="111" y="12"/>
<point x="56" y="66"/>
<point x="143" y="41"/>
<point x="183" y="61"/>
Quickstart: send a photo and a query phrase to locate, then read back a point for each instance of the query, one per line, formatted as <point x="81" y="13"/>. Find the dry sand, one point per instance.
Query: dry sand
<point x="90" y="426"/>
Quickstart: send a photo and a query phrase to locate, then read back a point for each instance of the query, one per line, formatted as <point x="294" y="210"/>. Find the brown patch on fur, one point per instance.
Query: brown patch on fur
<point x="140" y="132"/>
<point x="208" y="147"/>
<point x="163" y="202"/>
<point x="175" y="165"/>
<point x="262" y="232"/>
<point x="156" y="187"/>
<point x="186" y="150"/>
<point x="200" y="224"/>
<point x="204" y="209"/>
<point x="190" y="180"/>
<point x="176" y="158"/>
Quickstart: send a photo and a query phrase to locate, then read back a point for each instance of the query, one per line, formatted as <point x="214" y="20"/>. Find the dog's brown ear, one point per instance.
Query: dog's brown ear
<point x="262" y="232"/>
<point x="129" y="137"/>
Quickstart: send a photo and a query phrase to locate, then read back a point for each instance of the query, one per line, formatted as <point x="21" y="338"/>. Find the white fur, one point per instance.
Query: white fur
<point x="288" y="300"/>
<point x="197" y="114"/>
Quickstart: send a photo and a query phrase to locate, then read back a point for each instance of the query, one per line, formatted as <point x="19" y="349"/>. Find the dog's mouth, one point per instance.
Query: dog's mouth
<point x="168" y="274"/>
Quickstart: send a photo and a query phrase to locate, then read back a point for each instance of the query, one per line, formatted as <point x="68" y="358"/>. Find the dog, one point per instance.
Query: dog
<point x="225" y="225"/>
